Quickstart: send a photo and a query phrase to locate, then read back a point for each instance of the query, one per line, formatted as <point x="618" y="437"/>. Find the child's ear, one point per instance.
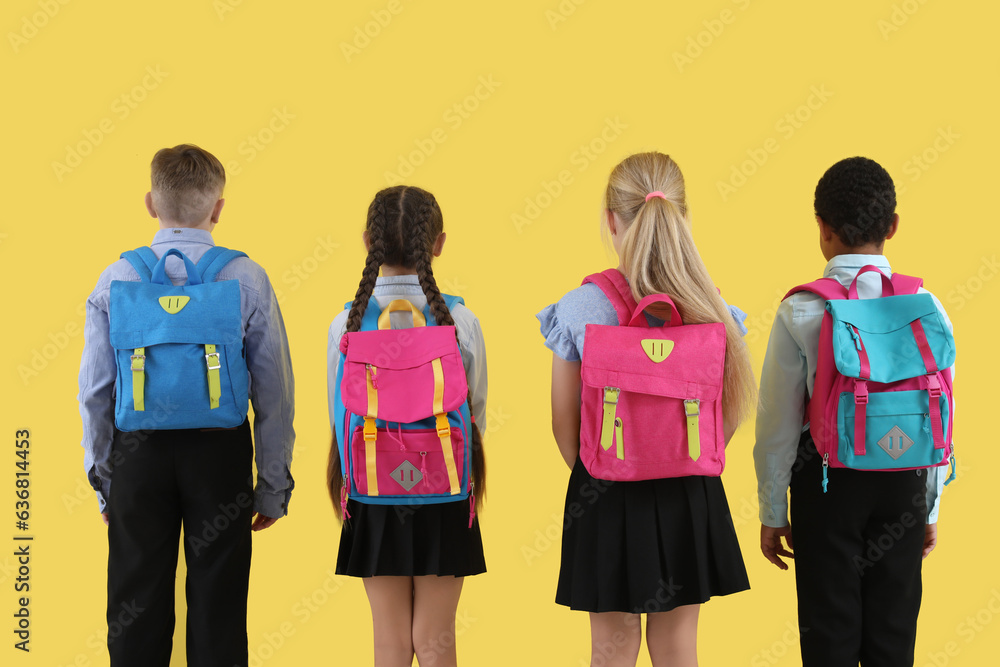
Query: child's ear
<point x="893" y="226"/>
<point x="439" y="244"/>
<point x="825" y="230"/>
<point x="612" y="221"/>
<point x="216" y="210"/>
<point x="149" y="205"/>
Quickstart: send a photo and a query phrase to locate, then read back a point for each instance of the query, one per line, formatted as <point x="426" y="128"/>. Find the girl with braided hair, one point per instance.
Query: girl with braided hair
<point x="659" y="547"/>
<point x="413" y="558"/>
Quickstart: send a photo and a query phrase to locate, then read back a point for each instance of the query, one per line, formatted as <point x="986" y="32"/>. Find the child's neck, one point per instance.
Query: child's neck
<point x="207" y="225"/>
<point x="838" y="249"/>
<point x="389" y="271"/>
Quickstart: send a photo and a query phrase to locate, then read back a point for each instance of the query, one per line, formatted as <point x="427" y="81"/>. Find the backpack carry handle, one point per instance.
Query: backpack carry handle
<point x="401" y="305"/>
<point x="887" y="287"/>
<point x="647" y="301"/>
<point x="160" y="270"/>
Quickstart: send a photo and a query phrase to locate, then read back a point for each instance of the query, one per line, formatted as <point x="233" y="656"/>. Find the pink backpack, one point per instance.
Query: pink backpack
<point x="651" y="397"/>
<point x="882" y="397"/>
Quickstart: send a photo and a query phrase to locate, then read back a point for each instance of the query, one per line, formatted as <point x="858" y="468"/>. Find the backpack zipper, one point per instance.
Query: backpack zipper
<point x="826" y="467"/>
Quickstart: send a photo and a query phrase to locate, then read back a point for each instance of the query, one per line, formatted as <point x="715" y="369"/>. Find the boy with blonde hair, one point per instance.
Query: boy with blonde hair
<point x="152" y="480"/>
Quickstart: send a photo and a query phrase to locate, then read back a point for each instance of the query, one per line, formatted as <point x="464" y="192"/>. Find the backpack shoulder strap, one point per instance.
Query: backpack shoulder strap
<point x="142" y="260"/>
<point x="828" y="288"/>
<point x="616" y="288"/>
<point x="906" y="284"/>
<point x="214" y="261"/>
<point x="449" y="300"/>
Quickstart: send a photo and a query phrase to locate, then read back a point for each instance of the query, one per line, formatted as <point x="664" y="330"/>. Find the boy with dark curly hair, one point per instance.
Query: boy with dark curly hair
<point x="859" y="543"/>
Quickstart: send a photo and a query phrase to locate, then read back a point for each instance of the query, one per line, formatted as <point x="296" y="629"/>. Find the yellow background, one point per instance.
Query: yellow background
<point x="908" y="83"/>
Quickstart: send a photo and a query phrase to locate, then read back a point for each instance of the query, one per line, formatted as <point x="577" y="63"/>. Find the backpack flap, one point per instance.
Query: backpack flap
<point x="387" y="370"/>
<point x="654" y="395"/>
<point x="144" y="314"/>
<point x="887" y="339"/>
<point x="644" y="361"/>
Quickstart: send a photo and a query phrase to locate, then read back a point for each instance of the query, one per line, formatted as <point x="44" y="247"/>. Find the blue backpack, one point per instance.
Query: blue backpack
<point x="401" y="412"/>
<point x="178" y="350"/>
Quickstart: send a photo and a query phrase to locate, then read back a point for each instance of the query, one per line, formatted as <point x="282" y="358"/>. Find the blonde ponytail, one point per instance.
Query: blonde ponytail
<point x="658" y="255"/>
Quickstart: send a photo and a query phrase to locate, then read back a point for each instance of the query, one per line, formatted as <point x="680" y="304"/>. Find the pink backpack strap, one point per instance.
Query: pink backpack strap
<point x="906" y="284"/>
<point x="828" y="288"/>
<point x="616" y="288"/>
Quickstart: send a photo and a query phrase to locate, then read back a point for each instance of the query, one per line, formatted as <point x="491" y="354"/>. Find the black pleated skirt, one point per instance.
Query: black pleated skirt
<point x="410" y="541"/>
<point x="645" y="547"/>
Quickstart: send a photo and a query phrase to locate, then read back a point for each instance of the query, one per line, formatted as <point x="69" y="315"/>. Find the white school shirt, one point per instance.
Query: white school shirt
<point x="470" y="340"/>
<point x="788" y="373"/>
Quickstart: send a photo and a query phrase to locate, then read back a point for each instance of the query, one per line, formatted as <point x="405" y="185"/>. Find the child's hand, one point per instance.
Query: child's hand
<point x="771" y="547"/>
<point x="104" y="515"/>
<point x="260" y="522"/>
<point x="930" y="538"/>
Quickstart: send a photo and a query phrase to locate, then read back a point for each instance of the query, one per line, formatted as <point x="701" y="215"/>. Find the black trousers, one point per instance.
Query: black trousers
<point x="857" y="562"/>
<point x="201" y="479"/>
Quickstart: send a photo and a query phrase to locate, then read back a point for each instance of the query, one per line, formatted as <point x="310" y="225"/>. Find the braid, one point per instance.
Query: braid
<point x="420" y="243"/>
<point x="420" y="253"/>
<point x="376" y="254"/>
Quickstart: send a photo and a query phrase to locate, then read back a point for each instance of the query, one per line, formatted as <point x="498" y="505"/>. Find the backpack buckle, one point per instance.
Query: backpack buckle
<point x="860" y="392"/>
<point x="611" y="395"/>
<point x="138" y="362"/>
<point x="370" y="432"/>
<point x="208" y="360"/>
<point x="443" y="426"/>
<point x="692" y="407"/>
<point x="933" y="386"/>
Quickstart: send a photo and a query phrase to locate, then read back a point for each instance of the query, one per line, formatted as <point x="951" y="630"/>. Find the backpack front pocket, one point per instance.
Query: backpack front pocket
<point x="898" y="432"/>
<point x="408" y="462"/>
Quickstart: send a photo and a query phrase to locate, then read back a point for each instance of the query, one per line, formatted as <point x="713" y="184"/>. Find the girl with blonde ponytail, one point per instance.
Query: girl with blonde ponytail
<point x="659" y="547"/>
<point x="413" y="558"/>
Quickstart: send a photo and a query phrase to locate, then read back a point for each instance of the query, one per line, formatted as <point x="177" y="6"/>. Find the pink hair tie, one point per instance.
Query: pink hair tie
<point x="655" y="194"/>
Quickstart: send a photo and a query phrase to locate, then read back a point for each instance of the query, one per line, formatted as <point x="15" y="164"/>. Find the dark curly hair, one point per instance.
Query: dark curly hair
<point x="856" y="197"/>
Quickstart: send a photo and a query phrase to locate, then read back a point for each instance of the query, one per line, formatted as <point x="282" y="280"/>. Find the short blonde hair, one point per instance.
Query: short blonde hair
<point x="186" y="183"/>
<point x="659" y="256"/>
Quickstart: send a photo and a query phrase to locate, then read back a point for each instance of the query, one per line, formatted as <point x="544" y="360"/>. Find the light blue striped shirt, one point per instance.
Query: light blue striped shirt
<point x="268" y="360"/>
